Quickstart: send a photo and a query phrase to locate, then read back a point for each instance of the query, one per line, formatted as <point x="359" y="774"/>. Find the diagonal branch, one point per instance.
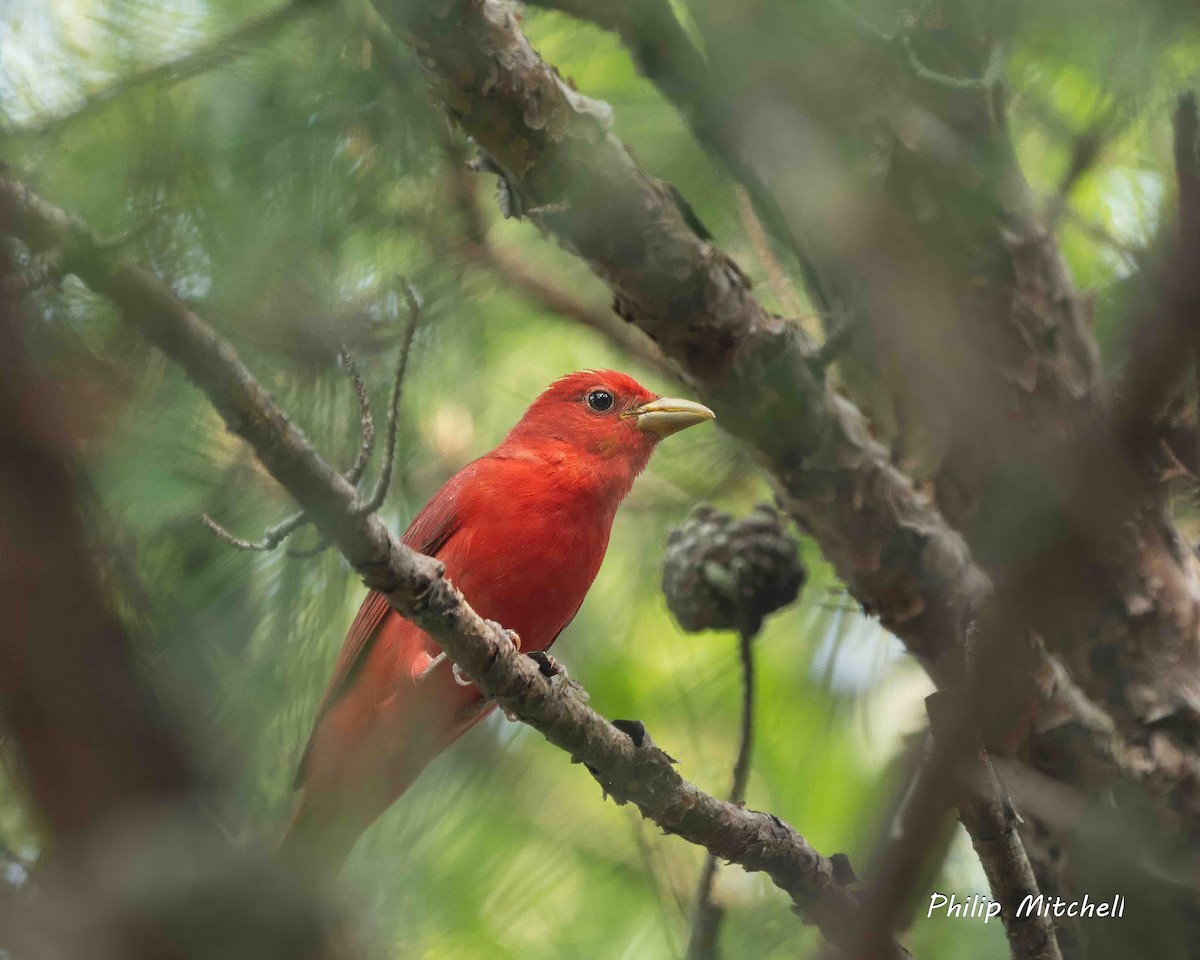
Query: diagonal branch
<point x="666" y="55"/>
<point x="1137" y="675"/>
<point x="625" y="761"/>
<point x="477" y="246"/>
<point x="575" y="180"/>
<point x="951" y="775"/>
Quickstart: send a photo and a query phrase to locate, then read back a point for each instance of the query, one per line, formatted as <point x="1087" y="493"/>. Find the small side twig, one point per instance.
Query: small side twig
<point x="367" y="447"/>
<point x="925" y="17"/>
<point x="987" y="814"/>
<point x="275" y="535"/>
<point x="981" y="84"/>
<point x="706" y="923"/>
<point x="379" y="493"/>
<point x="272" y="536"/>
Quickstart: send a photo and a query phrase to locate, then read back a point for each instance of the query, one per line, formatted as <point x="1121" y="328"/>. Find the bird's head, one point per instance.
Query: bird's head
<point x="606" y="415"/>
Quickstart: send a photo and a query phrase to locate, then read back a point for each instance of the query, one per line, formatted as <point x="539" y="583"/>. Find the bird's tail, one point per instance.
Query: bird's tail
<point x="345" y="792"/>
<point x="330" y="817"/>
<point x="318" y="841"/>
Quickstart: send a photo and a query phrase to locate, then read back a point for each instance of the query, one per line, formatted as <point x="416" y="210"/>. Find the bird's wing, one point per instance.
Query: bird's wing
<point x="430" y="531"/>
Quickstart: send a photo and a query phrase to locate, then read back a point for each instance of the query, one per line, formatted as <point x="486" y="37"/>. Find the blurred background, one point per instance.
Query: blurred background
<point x="282" y="190"/>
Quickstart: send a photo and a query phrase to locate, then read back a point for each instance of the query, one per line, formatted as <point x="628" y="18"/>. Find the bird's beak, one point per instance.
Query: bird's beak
<point x="666" y="415"/>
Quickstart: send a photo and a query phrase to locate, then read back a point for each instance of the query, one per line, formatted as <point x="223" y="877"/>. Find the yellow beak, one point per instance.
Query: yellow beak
<point x="666" y="415"/>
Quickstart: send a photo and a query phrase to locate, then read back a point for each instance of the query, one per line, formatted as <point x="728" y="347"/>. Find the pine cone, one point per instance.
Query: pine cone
<point x="722" y="574"/>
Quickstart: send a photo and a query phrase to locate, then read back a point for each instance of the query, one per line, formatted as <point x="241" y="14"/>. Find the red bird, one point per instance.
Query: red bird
<point x="522" y="532"/>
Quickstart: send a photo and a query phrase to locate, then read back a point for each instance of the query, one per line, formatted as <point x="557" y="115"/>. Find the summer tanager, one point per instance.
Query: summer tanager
<point x="522" y="532"/>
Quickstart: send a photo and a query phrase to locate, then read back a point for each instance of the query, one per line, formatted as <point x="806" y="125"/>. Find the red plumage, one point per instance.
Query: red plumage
<point x="522" y="532"/>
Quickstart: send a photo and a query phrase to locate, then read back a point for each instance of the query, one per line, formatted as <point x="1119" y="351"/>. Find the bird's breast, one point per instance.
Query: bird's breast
<point x="530" y="567"/>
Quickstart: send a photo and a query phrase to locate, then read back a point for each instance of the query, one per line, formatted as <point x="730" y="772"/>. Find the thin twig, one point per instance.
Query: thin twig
<point x="355" y="474"/>
<point x="272" y="536"/>
<point x="375" y="501"/>
<point x="275" y="535"/>
<point x="984" y="83"/>
<point x="367" y="446"/>
<point x="988" y="816"/>
<point x="706" y="924"/>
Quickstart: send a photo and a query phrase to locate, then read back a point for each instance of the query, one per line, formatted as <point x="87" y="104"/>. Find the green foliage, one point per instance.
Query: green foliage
<point x="282" y="193"/>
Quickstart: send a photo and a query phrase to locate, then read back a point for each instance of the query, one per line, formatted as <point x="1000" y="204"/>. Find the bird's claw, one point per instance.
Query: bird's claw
<point x="460" y="676"/>
<point x="548" y="665"/>
<point x="513" y="636"/>
<point x="556" y="673"/>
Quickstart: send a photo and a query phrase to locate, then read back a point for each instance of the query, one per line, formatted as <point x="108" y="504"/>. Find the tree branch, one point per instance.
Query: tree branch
<point x="988" y="816"/>
<point x="1055" y="385"/>
<point x="478" y="247"/>
<point x="576" y="181"/>
<point x="626" y="762"/>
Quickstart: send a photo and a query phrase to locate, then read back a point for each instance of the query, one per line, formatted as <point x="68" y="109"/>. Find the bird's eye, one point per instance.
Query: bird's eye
<point x="600" y="400"/>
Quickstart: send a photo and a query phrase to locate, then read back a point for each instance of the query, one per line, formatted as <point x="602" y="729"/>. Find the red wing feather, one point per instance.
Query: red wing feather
<point x="429" y="533"/>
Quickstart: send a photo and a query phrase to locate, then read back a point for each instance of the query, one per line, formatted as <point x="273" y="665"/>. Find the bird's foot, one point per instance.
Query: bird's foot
<point x="552" y="669"/>
<point x="433" y="664"/>
<point x="512" y="635"/>
<point x="460" y="676"/>
<point x="548" y="665"/>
